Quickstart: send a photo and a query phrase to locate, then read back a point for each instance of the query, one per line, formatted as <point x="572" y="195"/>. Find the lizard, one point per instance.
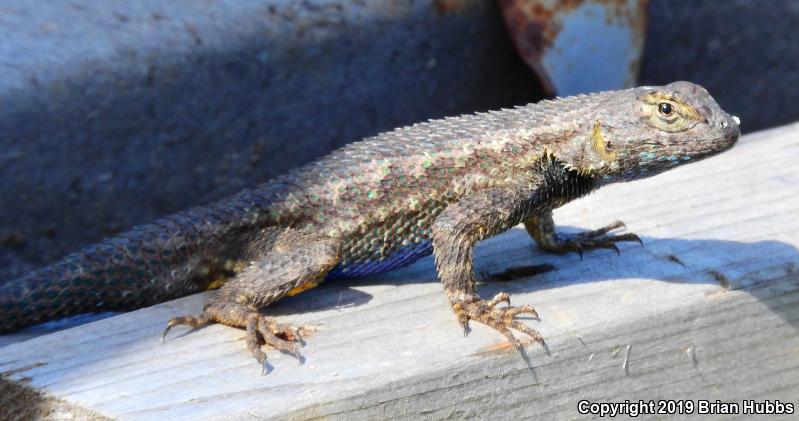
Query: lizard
<point x="438" y="187"/>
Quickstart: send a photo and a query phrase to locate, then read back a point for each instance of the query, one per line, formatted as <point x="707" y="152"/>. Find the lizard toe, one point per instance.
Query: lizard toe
<point x="501" y="319"/>
<point x="264" y="331"/>
<point x="191" y="321"/>
<point x="592" y="240"/>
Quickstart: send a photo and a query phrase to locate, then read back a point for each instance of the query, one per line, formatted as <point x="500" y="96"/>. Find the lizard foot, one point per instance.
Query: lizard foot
<point x="264" y="331"/>
<point x="260" y="331"/>
<point x="589" y="240"/>
<point x="499" y="318"/>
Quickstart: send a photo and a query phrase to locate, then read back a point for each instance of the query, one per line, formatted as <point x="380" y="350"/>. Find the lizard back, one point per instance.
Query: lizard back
<point x="378" y="196"/>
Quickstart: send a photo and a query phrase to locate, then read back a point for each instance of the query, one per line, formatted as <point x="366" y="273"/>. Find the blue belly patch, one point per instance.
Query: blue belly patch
<point x="396" y="260"/>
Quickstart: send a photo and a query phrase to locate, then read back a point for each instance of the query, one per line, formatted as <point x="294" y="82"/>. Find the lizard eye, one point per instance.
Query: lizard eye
<point x="669" y="113"/>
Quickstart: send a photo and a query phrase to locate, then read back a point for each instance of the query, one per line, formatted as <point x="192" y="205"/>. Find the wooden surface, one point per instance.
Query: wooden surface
<point x="706" y="310"/>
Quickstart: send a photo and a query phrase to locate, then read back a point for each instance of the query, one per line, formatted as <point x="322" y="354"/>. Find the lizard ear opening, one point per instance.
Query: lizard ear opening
<point x="602" y="147"/>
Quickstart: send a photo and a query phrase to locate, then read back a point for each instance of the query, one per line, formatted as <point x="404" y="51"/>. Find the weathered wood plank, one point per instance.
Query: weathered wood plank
<point x="708" y="309"/>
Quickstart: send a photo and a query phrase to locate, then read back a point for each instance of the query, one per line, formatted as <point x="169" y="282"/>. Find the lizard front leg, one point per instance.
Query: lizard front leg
<point x="455" y="232"/>
<point x="295" y="263"/>
<point x="542" y="229"/>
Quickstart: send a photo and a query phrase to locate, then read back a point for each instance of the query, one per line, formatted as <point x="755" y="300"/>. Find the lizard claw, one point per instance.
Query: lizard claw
<point x="502" y="297"/>
<point x="191" y="321"/>
<point x="284" y="338"/>
<point x="590" y="240"/>
<point x="501" y="319"/>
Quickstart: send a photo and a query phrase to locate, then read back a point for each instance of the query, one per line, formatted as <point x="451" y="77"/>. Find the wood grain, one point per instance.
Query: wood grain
<point x="707" y="309"/>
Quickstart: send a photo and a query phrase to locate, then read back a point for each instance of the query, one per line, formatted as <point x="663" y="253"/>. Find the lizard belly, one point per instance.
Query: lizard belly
<point x="374" y="266"/>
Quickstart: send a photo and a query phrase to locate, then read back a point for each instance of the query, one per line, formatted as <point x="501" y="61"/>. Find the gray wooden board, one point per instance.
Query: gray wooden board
<point x="707" y="309"/>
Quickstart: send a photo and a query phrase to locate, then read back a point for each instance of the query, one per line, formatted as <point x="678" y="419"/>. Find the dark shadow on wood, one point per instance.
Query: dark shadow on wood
<point x="662" y="259"/>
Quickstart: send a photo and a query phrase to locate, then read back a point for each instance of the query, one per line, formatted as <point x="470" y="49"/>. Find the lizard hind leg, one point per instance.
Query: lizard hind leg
<point x="289" y="267"/>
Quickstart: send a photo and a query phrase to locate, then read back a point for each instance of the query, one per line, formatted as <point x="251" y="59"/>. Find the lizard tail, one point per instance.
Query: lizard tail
<point x="144" y="266"/>
<point x="60" y="290"/>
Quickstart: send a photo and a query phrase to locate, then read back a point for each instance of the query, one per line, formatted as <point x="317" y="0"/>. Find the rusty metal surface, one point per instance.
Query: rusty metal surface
<point x="578" y="46"/>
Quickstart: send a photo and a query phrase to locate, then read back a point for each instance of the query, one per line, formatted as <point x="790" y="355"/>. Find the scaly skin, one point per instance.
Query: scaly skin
<point x="384" y="202"/>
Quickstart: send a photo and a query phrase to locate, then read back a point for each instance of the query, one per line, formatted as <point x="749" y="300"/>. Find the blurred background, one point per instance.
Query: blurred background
<point x="117" y="112"/>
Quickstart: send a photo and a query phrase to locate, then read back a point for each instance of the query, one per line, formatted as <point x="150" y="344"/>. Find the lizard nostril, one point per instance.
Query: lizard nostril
<point x="723" y="124"/>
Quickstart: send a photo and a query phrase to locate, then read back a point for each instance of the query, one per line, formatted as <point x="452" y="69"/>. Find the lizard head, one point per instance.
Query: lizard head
<point x="661" y="127"/>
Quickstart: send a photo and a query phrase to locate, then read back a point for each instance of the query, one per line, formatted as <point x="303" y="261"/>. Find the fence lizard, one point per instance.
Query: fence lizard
<point x="381" y="203"/>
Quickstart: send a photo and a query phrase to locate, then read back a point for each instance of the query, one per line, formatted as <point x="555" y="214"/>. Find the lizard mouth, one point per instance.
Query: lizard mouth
<point x="720" y="144"/>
